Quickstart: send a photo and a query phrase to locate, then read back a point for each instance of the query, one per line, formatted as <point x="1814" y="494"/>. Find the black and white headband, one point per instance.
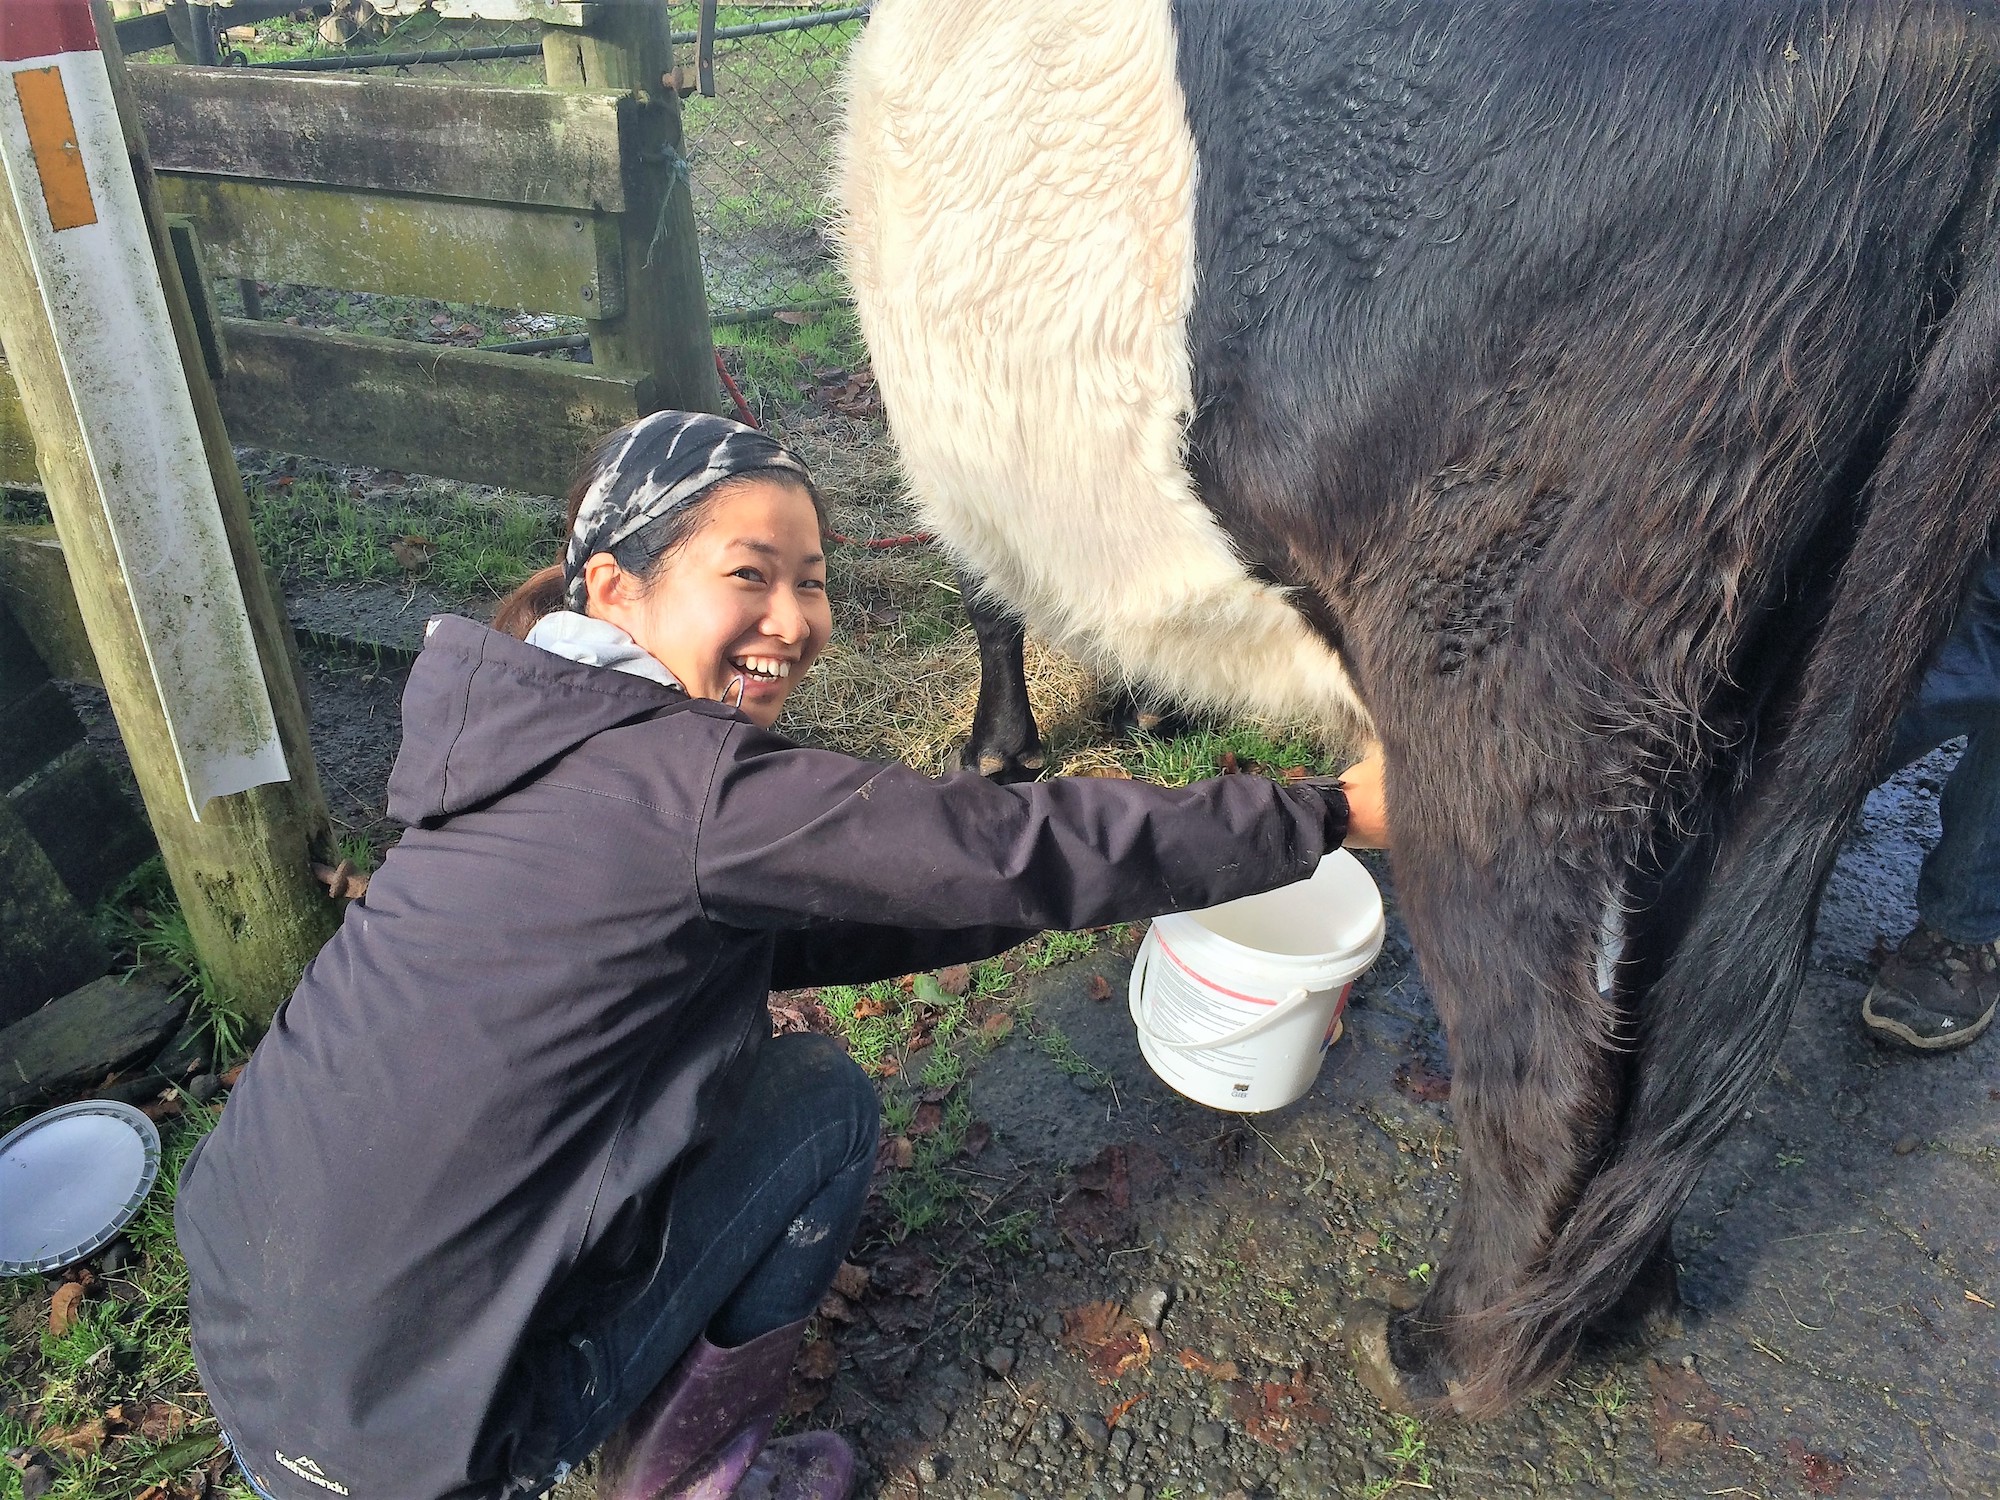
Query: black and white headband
<point x="655" y="466"/>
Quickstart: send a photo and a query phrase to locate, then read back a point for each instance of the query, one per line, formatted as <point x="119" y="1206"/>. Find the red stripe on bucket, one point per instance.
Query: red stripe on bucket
<point x="1206" y="982"/>
<point x="42" y="28"/>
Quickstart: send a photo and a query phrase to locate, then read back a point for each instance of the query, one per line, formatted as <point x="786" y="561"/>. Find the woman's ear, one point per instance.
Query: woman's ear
<point x="606" y="586"/>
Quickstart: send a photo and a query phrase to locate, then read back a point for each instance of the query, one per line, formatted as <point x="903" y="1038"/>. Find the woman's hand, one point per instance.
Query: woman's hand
<point x="1367" y="807"/>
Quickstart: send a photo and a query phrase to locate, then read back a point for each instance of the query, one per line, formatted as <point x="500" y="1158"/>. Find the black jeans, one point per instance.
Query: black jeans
<point x="1958" y="893"/>
<point x="756" y="1228"/>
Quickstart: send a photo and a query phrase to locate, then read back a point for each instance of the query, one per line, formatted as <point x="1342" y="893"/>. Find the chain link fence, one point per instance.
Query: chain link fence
<point x="759" y="149"/>
<point x="406" y="38"/>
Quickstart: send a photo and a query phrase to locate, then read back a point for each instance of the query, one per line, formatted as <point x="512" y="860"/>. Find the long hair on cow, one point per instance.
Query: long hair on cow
<point x="1599" y="398"/>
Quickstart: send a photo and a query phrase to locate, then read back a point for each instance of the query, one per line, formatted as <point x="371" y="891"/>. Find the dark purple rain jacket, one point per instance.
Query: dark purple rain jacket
<point x="452" y="1143"/>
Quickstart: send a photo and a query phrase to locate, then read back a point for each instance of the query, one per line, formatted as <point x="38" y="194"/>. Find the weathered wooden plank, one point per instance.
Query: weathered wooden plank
<point x="436" y="140"/>
<point x="663" y="326"/>
<point x="17" y="444"/>
<point x="495" y="255"/>
<point x="503" y="419"/>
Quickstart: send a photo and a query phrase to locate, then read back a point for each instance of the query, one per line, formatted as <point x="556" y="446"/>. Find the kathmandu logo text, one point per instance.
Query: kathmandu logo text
<point x="311" y="1472"/>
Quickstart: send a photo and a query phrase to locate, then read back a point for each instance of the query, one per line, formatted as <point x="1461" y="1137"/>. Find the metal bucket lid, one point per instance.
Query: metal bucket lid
<point x="70" y="1179"/>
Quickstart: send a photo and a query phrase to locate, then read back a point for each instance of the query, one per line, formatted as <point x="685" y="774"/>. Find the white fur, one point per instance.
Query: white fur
<point x="1017" y="184"/>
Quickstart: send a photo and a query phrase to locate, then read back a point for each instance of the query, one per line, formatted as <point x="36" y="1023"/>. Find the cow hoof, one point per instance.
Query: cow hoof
<point x="1374" y="1365"/>
<point x="1648" y="1313"/>
<point x="1005" y="767"/>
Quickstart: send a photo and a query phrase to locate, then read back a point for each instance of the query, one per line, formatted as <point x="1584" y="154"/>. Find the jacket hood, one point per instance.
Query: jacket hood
<point x="482" y="712"/>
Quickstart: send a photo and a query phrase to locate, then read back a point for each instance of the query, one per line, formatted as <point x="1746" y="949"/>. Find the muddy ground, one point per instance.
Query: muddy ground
<point x="1839" y="1257"/>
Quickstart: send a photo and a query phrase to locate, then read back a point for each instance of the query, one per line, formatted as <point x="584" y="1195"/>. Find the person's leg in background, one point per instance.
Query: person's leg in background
<point x="1940" y="988"/>
<point x="682" y="1386"/>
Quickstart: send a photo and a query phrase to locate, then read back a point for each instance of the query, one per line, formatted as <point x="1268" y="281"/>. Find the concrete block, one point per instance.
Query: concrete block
<point x="87" y="826"/>
<point x="47" y="946"/>
<point x="34" y="729"/>
<point x="35" y="587"/>
<point x="70" y="1044"/>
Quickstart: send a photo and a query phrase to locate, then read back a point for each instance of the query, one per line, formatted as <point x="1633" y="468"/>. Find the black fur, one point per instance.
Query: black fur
<point x="1622" y="378"/>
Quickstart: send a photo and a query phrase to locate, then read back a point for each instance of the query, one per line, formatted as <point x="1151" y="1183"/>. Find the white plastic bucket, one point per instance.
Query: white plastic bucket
<point x="1236" y="1005"/>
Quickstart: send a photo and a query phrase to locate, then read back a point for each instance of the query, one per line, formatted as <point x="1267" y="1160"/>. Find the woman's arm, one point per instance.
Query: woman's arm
<point x="791" y="837"/>
<point x="863" y="952"/>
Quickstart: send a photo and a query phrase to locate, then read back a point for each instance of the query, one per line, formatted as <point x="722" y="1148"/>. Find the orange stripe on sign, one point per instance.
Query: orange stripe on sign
<point x="52" y="138"/>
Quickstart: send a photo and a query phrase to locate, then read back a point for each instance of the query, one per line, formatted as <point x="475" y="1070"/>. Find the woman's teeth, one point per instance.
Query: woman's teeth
<point x="764" y="668"/>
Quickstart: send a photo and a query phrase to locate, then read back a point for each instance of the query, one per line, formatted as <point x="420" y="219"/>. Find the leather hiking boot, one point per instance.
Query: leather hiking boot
<point x="1934" y="995"/>
<point x="705" y="1434"/>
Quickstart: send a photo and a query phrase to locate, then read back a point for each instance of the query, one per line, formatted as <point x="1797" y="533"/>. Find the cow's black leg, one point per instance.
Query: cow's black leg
<point x="1504" y="880"/>
<point x="1005" y="745"/>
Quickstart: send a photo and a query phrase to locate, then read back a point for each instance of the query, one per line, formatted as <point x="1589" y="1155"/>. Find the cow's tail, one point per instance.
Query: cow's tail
<point x="1719" y="1010"/>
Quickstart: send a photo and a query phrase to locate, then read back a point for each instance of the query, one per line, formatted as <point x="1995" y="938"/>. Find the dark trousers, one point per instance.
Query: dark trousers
<point x="757" y="1226"/>
<point x="1958" y="891"/>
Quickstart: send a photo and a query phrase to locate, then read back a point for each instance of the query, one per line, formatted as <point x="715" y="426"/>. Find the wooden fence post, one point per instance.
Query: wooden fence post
<point x="242" y="870"/>
<point x="663" y="330"/>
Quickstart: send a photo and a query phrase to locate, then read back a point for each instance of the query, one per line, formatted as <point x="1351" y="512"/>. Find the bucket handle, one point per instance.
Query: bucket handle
<point x="1137" y="988"/>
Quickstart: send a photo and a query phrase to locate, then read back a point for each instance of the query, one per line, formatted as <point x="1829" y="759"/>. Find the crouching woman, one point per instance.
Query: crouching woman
<point x="519" y="1172"/>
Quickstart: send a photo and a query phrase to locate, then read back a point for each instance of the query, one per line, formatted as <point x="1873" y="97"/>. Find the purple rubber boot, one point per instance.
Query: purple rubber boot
<point x="705" y="1434"/>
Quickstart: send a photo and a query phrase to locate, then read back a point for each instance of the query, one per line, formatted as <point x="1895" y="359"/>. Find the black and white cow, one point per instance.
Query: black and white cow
<point x="1597" y="400"/>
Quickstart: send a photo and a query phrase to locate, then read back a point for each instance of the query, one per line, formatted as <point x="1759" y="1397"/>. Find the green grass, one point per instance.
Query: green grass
<point x="771" y="360"/>
<point x="142" y="922"/>
<point x="1054" y="948"/>
<point x="1410" y="1465"/>
<point x="1192" y="757"/>
<point x="312" y="529"/>
<point x="929" y="1193"/>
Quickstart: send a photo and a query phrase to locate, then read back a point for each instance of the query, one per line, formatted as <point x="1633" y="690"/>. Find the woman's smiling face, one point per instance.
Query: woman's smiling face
<point x="742" y="599"/>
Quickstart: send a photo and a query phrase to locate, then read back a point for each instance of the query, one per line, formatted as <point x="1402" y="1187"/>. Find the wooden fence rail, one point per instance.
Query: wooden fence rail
<point x="557" y="200"/>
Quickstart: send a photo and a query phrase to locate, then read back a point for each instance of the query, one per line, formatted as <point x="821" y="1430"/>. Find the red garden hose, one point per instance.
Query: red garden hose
<point x="873" y="544"/>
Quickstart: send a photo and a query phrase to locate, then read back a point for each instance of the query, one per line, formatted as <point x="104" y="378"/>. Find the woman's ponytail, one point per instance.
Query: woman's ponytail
<point x="541" y="594"/>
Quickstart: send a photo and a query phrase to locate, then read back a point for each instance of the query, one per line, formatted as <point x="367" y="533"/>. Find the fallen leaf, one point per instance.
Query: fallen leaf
<point x="955" y="980"/>
<point x="79" y="1441"/>
<point x="412" y="553"/>
<point x="978" y="1136"/>
<point x="997" y="1027"/>
<point x="1117" y="1413"/>
<point x="1685" y="1411"/>
<point x="850" y="1280"/>
<point x="1419" y="1082"/>
<point x="836" y="1307"/>
<point x="888" y="1067"/>
<point x="868" y="1008"/>
<point x="65" y="1307"/>
<point x="1100" y="987"/>
<point x="902" y="1151"/>
<point x="159" y="1422"/>
<point x="1110" y="1342"/>
<point x="1222" y="1370"/>
<point x="163" y="1108"/>
<point x="927" y="1119"/>
<point x="904" y="1271"/>
<point x="1273" y="1414"/>
<point x="1822" y="1475"/>
<point x="793" y="318"/>
<point x="229" y="1078"/>
<point x="818" y="1360"/>
<point x="1230" y="765"/>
